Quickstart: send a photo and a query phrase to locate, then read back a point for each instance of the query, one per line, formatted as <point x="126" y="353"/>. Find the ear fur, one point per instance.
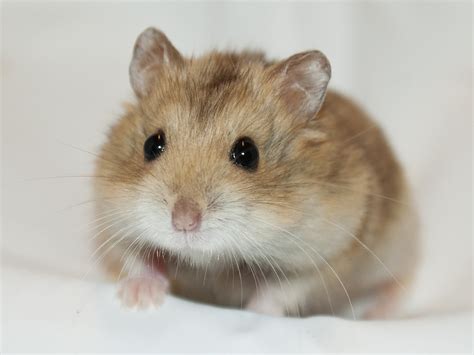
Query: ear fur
<point x="302" y="81"/>
<point x="152" y="50"/>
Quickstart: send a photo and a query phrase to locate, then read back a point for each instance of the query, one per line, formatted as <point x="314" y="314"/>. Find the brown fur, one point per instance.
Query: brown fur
<point x="337" y="163"/>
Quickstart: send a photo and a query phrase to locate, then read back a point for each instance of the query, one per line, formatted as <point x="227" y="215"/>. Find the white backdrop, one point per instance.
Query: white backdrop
<point x="64" y="76"/>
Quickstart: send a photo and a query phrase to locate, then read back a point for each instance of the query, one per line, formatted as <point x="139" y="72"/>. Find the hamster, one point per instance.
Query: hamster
<point x="243" y="182"/>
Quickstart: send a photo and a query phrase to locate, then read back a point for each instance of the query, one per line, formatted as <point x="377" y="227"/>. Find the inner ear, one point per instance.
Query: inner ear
<point x="152" y="50"/>
<point x="301" y="82"/>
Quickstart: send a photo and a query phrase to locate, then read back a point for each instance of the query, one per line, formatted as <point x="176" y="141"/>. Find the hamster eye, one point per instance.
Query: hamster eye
<point x="154" y="146"/>
<point x="244" y="153"/>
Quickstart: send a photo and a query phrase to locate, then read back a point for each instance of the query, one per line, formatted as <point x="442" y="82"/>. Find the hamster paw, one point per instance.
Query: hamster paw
<point x="143" y="291"/>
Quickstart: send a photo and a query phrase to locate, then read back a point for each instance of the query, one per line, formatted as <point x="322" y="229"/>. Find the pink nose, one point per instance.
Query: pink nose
<point x="186" y="215"/>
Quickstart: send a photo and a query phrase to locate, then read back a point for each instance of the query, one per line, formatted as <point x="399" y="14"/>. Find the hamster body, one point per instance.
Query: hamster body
<point x="241" y="182"/>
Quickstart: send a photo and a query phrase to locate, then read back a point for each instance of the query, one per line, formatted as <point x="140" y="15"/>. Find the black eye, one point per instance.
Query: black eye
<point x="154" y="146"/>
<point x="244" y="153"/>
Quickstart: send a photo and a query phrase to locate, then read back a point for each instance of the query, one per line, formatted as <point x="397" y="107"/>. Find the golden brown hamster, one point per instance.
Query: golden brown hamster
<point x="243" y="182"/>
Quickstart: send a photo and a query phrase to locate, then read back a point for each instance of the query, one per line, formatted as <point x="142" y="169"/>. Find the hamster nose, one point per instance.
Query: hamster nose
<point x="186" y="215"/>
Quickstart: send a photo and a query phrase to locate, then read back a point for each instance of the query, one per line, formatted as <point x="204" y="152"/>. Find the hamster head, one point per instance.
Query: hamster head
<point x="219" y="154"/>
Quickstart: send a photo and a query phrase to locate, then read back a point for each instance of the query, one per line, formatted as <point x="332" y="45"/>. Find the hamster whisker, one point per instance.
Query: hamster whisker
<point x="87" y="227"/>
<point x="214" y="201"/>
<point x="103" y="254"/>
<point x="58" y="177"/>
<point x="257" y="263"/>
<point x="249" y="264"/>
<point x="321" y="276"/>
<point x="131" y="256"/>
<point x="399" y="283"/>
<point x="321" y="257"/>
<point x="143" y="249"/>
<point x="139" y="237"/>
<point x="114" y="220"/>
<point x="272" y="266"/>
<point x="207" y="266"/>
<point x="111" y="238"/>
<point x="362" y="192"/>
<point x="141" y="246"/>
<point x="361" y="133"/>
<point x="284" y="186"/>
<point x="136" y="251"/>
<point x="104" y="218"/>
<point x="127" y="184"/>
<point x="83" y="203"/>
<point x="178" y="262"/>
<point x="232" y="252"/>
<point x="353" y="236"/>
<point x="232" y="272"/>
<point x="323" y="281"/>
<point x="100" y="216"/>
<point x="127" y="255"/>
<point x="342" y="228"/>
<point x="254" y="260"/>
<point x="149" y="251"/>
<point x="233" y="240"/>
<point x="96" y="155"/>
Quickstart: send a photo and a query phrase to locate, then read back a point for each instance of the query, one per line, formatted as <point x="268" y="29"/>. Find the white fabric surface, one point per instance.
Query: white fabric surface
<point x="64" y="73"/>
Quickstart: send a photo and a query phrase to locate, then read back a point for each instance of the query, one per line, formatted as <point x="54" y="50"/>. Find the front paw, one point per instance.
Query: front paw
<point x="143" y="291"/>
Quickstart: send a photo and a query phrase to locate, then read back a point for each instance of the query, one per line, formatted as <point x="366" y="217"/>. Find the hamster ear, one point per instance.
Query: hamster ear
<point x="152" y="50"/>
<point x="302" y="81"/>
